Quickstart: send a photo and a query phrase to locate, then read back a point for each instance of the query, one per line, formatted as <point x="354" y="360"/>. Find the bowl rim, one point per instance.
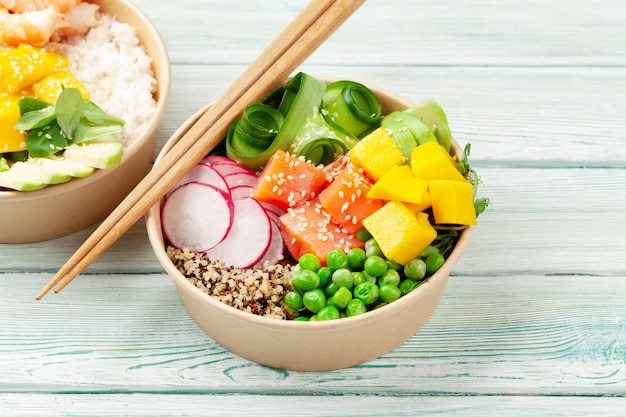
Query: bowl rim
<point x="163" y="77"/>
<point x="155" y="235"/>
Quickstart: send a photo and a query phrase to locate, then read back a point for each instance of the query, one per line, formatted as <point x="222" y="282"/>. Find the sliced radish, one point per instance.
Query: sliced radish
<point x="273" y="208"/>
<point x="197" y="216"/>
<point x="209" y="159"/>
<point x="249" y="236"/>
<point x="241" y="191"/>
<point x="205" y="174"/>
<point x="274" y="252"/>
<point x="240" y="178"/>
<point x="225" y="165"/>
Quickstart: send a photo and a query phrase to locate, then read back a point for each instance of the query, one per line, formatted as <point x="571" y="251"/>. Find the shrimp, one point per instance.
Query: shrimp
<point x="23" y="6"/>
<point x="35" y="28"/>
<point x="23" y="22"/>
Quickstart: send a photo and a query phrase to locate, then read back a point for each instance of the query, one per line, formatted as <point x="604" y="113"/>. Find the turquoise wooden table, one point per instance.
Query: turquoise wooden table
<point x="533" y="320"/>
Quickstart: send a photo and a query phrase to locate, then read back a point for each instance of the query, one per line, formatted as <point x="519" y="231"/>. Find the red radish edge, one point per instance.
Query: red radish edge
<point x="197" y="216"/>
<point x="205" y="174"/>
<point x="274" y="252"/>
<point x="249" y="237"/>
<point x="241" y="178"/>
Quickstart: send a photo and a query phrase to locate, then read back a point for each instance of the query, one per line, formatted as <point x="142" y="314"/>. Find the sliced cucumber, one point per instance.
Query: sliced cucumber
<point x="101" y="155"/>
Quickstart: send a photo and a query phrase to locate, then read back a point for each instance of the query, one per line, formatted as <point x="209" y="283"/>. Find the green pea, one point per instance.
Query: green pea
<point x="301" y="318"/>
<point x="309" y="262"/>
<point x="428" y="250"/>
<point x="355" y="307"/>
<point x="356" y="258"/>
<point x="372" y="248"/>
<point x="434" y="262"/>
<point x="358" y="277"/>
<point x="325" y="275"/>
<point x="375" y="265"/>
<point x="314" y="300"/>
<point x="293" y="301"/>
<point x="330" y="289"/>
<point x="341" y="298"/>
<point x="415" y="269"/>
<point x="391" y="264"/>
<point x="366" y="292"/>
<point x="305" y="280"/>
<point x="313" y="318"/>
<point x="408" y="285"/>
<point x="368" y="277"/>
<point x="336" y="259"/>
<point x="391" y="276"/>
<point x="343" y="278"/>
<point x="389" y="293"/>
<point x="363" y="235"/>
<point x="328" y="313"/>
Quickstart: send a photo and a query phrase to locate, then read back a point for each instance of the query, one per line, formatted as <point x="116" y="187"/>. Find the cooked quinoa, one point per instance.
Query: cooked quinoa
<point x="258" y="290"/>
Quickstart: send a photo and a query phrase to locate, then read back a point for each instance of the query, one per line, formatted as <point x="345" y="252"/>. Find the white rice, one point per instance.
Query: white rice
<point x="114" y="67"/>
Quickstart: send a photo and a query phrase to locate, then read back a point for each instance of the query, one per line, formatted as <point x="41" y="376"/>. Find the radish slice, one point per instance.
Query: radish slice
<point x="240" y="178"/>
<point x="211" y="159"/>
<point x="249" y="236"/>
<point x="205" y="174"/>
<point x="241" y="191"/>
<point x="274" y="252"/>
<point x="273" y="208"/>
<point x="225" y="165"/>
<point x="197" y="216"/>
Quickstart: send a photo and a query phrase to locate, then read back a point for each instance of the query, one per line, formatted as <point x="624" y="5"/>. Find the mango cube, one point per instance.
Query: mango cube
<point x="452" y="202"/>
<point x="430" y="161"/>
<point x="401" y="233"/>
<point x="49" y="88"/>
<point x="399" y="184"/>
<point x="376" y="153"/>
<point x="11" y="139"/>
<point x="19" y="68"/>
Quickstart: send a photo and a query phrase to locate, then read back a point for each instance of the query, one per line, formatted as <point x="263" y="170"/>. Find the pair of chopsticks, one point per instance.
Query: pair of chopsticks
<point x="313" y="25"/>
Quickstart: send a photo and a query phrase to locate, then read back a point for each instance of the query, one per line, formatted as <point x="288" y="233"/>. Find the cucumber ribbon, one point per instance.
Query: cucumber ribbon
<point x="295" y="118"/>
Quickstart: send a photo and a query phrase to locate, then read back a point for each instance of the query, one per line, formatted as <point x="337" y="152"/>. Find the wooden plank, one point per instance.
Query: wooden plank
<point x="446" y="32"/>
<point x="542" y="221"/>
<point x="545" y="117"/>
<point x="155" y="405"/>
<point x="498" y="335"/>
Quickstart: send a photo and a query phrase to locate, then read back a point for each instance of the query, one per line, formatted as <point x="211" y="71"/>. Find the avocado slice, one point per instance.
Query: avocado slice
<point x="63" y="165"/>
<point x="401" y="135"/>
<point x="24" y="176"/>
<point x="101" y="155"/>
<point x="431" y="113"/>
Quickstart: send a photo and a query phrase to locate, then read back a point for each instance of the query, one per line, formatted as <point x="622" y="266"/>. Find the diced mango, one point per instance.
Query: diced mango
<point x="401" y="233"/>
<point x="49" y="88"/>
<point x="11" y="139"/>
<point x="19" y="68"/>
<point x="399" y="184"/>
<point x="430" y="161"/>
<point x="49" y="61"/>
<point x="376" y="153"/>
<point x="452" y="202"/>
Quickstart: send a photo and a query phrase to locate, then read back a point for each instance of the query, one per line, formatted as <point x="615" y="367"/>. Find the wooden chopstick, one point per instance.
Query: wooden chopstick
<point x="306" y="33"/>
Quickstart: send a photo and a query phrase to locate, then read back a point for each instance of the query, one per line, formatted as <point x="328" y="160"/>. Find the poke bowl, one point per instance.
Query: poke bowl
<point x="262" y="326"/>
<point x="113" y="56"/>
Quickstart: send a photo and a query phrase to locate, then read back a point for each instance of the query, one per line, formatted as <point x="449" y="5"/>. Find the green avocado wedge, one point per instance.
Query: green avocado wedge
<point x="101" y="155"/>
<point x="431" y="113"/>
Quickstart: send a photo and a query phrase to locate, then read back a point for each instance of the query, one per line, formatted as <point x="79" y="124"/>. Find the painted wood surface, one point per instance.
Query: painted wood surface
<point x="533" y="321"/>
